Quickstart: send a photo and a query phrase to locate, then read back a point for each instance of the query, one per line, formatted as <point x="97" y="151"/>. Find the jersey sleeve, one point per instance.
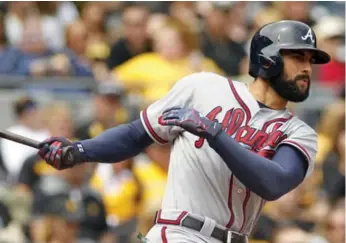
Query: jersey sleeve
<point x="180" y="95"/>
<point x="304" y="139"/>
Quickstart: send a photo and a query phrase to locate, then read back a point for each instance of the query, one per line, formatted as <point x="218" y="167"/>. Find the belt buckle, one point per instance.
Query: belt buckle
<point x="229" y="236"/>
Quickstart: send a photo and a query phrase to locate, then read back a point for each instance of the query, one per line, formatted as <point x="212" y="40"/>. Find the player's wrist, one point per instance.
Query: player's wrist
<point x="79" y="153"/>
<point x="213" y="129"/>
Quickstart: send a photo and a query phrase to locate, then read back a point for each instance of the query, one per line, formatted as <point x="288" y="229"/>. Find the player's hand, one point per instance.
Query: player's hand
<point x="59" y="153"/>
<point x="190" y="120"/>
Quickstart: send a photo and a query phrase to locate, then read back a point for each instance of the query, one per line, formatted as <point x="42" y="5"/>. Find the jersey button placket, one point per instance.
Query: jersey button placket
<point x="239" y="190"/>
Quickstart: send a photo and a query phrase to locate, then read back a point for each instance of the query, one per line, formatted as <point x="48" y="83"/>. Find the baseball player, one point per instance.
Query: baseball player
<point x="234" y="146"/>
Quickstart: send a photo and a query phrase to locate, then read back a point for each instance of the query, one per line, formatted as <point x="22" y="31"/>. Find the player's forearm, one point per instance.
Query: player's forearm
<point x="116" y="144"/>
<point x="269" y="179"/>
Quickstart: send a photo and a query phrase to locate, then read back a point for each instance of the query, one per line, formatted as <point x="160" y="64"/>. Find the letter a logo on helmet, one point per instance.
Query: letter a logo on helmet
<point x="308" y="35"/>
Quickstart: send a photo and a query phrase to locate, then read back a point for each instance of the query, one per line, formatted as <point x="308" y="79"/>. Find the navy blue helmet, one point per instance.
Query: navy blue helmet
<point x="265" y="58"/>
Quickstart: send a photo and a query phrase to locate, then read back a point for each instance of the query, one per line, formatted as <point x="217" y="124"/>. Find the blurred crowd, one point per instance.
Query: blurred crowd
<point x="148" y="46"/>
<point x="140" y="49"/>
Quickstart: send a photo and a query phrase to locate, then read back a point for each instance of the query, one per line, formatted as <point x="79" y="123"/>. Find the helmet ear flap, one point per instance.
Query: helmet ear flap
<point x="270" y="66"/>
<point x="266" y="62"/>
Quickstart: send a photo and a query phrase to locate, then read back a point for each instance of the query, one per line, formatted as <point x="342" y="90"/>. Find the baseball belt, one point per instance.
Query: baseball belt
<point x="222" y="235"/>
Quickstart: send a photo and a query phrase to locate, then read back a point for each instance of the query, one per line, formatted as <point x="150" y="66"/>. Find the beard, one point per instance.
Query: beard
<point x="289" y="88"/>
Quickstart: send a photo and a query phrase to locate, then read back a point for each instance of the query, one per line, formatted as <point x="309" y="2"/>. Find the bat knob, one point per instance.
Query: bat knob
<point x="68" y="155"/>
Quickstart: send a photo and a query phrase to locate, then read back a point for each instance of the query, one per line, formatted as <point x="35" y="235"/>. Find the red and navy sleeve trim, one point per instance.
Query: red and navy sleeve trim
<point x="150" y="129"/>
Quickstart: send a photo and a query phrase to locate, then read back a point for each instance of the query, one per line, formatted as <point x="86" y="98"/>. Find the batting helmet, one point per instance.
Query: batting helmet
<point x="265" y="58"/>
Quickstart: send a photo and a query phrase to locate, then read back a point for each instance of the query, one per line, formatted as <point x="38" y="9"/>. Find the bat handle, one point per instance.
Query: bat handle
<point x="31" y="143"/>
<point x="20" y="139"/>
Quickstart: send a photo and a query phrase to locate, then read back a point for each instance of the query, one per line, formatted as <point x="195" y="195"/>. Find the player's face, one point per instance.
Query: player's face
<point x="297" y="74"/>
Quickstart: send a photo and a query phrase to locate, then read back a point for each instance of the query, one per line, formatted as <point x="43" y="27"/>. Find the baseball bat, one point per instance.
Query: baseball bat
<point x="67" y="152"/>
<point x="19" y="139"/>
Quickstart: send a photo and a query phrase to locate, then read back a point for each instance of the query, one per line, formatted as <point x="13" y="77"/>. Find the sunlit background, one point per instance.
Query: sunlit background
<point x="74" y="69"/>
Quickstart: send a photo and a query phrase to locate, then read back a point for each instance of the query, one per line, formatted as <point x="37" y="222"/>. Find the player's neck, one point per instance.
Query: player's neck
<point x="264" y="93"/>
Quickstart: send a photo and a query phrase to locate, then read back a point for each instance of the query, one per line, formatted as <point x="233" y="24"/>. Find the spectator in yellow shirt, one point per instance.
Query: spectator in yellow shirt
<point x="122" y="195"/>
<point x="176" y="54"/>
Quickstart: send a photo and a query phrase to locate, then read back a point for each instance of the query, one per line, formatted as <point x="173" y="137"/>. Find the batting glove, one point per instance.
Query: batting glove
<point x="190" y="120"/>
<point x="59" y="152"/>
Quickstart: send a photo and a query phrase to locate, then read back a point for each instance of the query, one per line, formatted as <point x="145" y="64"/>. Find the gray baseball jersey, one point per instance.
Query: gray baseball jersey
<point x="199" y="181"/>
